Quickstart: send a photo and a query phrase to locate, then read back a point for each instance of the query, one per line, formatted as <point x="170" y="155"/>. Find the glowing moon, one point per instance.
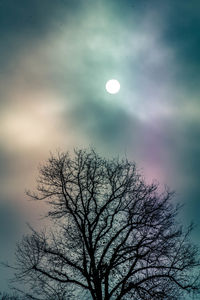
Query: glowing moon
<point x="112" y="86"/>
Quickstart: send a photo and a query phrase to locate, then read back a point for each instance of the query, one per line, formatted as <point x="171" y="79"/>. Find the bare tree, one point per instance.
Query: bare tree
<point x="111" y="235"/>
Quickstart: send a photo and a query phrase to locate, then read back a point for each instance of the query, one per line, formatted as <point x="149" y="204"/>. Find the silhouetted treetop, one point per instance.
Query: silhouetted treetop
<point x="112" y="236"/>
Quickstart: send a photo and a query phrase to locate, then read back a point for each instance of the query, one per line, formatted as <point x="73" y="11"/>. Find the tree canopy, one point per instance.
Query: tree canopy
<point x="111" y="235"/>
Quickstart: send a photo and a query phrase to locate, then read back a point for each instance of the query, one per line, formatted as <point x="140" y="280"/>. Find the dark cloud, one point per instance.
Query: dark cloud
<point x="33" y="18"/>
<point x="181" y="32"/>
<point x="24" y="23"/>
<point x="10" y="233"/>
<point x="104" y="122"/>
<point x="9" y="222"/>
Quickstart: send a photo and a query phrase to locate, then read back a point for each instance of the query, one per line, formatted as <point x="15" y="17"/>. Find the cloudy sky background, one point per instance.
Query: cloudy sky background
<point x="55" y="58"/>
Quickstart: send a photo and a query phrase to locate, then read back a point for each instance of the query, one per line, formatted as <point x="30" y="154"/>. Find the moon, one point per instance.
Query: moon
<point x="112" y="86"/>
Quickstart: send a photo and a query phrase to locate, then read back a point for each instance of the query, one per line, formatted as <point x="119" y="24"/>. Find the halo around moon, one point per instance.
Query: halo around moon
<point x="112" y="86"/>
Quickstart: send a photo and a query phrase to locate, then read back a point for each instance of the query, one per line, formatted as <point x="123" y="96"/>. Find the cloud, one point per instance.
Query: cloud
<point x="56" y="57"/>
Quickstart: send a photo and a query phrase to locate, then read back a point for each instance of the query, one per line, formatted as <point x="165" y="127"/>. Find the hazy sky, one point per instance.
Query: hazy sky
<point x="55" y="59"/>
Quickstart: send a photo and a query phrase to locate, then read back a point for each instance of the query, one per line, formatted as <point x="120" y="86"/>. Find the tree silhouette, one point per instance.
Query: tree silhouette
<point x="111" y="235"/>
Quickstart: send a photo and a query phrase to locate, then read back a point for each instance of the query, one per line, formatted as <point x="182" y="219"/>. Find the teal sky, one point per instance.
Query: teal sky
<point x="55" y="59"/>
